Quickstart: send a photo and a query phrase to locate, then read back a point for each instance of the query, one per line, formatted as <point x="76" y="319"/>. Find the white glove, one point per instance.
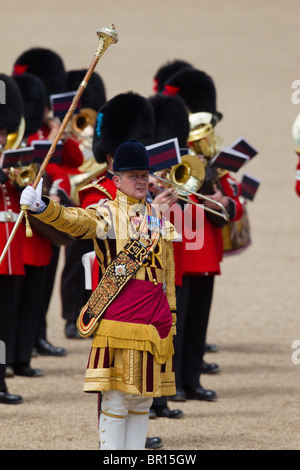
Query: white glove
<point x="33" y="198"/>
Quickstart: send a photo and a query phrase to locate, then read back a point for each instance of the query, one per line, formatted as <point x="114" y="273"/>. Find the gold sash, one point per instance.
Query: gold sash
<point x="116" y="276"/>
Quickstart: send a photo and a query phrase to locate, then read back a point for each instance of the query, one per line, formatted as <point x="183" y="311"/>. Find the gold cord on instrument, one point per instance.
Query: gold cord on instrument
<point x="28" y="228"/>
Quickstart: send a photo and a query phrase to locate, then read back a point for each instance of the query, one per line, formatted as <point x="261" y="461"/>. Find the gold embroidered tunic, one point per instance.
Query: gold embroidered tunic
<point x="125" y="355"/>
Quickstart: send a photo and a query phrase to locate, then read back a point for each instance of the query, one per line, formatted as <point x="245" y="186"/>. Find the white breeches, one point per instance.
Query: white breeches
<point x="123" y="421"/>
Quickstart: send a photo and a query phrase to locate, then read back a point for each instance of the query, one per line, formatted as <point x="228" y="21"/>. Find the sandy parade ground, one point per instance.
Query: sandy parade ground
<point x="251" y="50"/>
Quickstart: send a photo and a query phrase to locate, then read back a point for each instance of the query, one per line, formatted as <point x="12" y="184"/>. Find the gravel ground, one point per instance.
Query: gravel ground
<point x="250" y="49"/>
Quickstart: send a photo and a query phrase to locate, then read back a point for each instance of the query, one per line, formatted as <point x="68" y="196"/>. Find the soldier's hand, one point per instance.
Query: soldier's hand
<point x="165" y="197"/>
<point x="32" y="198"/>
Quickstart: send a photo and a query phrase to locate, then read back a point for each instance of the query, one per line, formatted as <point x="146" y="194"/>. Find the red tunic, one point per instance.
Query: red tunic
<point x="203" y="253"/>
<point x="12" y="263"/>
<point x="72" y="156"/>
<point x="37" y="250"/>
<point x="103" y="188"/>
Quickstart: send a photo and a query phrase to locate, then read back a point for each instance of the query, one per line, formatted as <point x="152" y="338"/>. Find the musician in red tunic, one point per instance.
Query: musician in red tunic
<point x="29" y="326"/>
<point x="12" y="266"/>
<point x="198" y="261"/>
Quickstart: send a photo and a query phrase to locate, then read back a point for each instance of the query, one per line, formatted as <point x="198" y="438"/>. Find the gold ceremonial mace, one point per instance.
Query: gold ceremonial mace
<point x="107" y="36"/>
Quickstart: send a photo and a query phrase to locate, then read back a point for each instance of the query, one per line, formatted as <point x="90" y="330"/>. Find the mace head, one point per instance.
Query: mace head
<point x="108" y="32"/>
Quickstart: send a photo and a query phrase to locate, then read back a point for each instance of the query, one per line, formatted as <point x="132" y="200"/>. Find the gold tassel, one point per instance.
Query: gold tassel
<point x="138" y="336"/>
<point x="28" y="228"/>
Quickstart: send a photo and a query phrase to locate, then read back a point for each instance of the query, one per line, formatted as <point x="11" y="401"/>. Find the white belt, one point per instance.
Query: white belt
<point x="8" y="216"/>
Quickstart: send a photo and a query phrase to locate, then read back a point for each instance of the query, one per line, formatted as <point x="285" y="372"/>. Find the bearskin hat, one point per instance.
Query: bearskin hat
<point x="11" y="107"/>
<point x="94" y="95"/>
<point x="34" y="95"/>
<point x="166" y="71"/>
<point x="197" y="90"/>
<point x="171" y="119"/>
<point x="126" y="116"/>
<point x="46" y="65"/>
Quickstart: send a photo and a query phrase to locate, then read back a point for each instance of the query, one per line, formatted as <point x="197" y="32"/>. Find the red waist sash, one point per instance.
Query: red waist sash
<point x="142" y="302"/>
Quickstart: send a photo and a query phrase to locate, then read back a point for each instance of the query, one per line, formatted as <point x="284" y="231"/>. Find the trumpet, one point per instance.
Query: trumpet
<point x="81" y="128"/>
<point x="90" y="170"/>
<point x="86" y="117"/>
<point x="187" y="177"/>
<point x="202" y="139"/>
<point x="14" y="139"/>
<point x="24" y="175"/>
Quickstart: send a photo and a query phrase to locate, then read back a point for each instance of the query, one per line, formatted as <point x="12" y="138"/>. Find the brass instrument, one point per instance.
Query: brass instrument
<point x="189" y="174"/>
<point x="202" y="139"/>
<point x="24" y="175"/>
<point x="14" y="139"/>
<point x="188" y="177"/>
<point x="82" y="128"/>
<point x="235" y="234"/>
<point x="85" y="117"/>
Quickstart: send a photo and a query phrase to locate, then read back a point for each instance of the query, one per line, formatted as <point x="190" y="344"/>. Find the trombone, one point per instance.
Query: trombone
<point x="188" y="177"/>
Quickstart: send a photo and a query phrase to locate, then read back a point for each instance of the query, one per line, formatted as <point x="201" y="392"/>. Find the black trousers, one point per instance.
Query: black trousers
<point x="73" y="292"/>
<point x="49" y="280"/>
<point x="27" y="316"/>
<point x="194" y="300"/>
<point x="9" y="290"/>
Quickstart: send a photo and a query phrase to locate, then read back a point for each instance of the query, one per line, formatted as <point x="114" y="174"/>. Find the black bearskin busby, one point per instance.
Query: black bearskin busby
<point x="11" y="107"/>
<point x="34" y="95"/>
<point x="197" y="90"/>
<point x="94" y="95"/>
<point x="126" y="116"/>
<point x="171" y="119"/>
<point x="166" y="71"/>
<point x="46" y="65"/>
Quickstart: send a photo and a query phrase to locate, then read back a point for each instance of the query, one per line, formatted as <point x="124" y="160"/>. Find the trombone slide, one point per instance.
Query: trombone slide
<point x="223" y="214"/>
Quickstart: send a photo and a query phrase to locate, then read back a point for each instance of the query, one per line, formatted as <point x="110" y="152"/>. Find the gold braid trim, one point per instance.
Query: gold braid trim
<point x="174" y="321"/>
<point x="104" y="190"/>
<point x="121" y="335"/>
<point x="111" y="415"/>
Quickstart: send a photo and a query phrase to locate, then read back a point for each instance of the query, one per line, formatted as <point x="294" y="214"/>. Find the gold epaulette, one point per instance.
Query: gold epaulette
<point x="96" y="184"/>
<point x="222" y="172"/>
